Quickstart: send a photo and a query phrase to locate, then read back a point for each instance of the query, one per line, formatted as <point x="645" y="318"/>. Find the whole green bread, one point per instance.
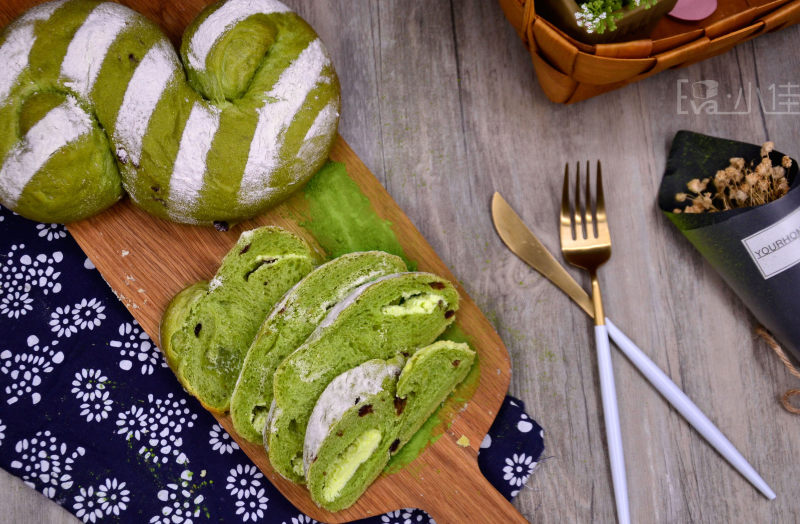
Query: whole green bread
<point x="367" y="414"/>
<point x="94" y="98"/>
<point x="396" y="313"/>
<point x="290" y="323"/>
<point x="208" y="327"/>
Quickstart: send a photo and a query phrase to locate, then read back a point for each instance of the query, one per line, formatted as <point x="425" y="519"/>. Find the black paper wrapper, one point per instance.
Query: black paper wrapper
<point x="756" y="250"/>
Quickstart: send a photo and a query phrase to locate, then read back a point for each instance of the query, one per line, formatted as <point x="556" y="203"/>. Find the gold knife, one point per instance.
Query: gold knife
<point x="519" y="239"/>
<point x="525" y="245"/>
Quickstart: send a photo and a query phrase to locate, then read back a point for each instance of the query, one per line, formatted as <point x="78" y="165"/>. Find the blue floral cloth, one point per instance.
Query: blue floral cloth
<point x="91" y="416"/>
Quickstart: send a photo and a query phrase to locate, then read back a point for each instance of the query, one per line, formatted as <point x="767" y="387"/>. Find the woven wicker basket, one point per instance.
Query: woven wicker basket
<point x="570" y="71"/>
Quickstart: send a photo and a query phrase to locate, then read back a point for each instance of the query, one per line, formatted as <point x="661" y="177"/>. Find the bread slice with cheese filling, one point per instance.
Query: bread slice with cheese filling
<point x="395" y="314"/>
<point x="290" y="323"/>
<point x="367" y="414"/>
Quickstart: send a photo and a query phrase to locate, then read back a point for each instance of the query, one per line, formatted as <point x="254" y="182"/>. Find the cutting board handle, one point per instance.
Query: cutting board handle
<point x="465" y="496"/>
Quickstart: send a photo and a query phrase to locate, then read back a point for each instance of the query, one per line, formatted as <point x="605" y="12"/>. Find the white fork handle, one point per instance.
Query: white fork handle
<point x="611" y="416"/>
<point x="687" y="408"/>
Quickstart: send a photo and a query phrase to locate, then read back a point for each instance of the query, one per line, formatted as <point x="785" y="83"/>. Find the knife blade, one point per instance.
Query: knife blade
<point x="519" y="239"/>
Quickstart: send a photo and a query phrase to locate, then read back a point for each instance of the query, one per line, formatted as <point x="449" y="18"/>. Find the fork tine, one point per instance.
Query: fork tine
<point x="580" y="219"/>
<point x="601" y="203"/>
<point x="589" y="218"/>
<point x="567" y="217"/>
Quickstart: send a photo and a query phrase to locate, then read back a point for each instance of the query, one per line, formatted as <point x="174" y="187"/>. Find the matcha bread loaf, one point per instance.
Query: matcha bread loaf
<point x="367" y="414"/>
<point x="94" y="99"/>
<point x="290" y="323"/>
<point x="207" y="328"/>
<point x="395" y="314"/>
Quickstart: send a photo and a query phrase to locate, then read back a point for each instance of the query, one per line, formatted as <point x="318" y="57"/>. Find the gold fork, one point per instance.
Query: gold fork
<point x="586" y="243"/>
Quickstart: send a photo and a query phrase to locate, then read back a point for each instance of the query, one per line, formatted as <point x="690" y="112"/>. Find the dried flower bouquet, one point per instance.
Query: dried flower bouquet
<point x="741" y="184"/>
<point x="739" y="205"/>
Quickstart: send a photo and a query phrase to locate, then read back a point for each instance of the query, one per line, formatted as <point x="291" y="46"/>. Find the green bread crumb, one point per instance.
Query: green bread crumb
<point x="463" y="441"/>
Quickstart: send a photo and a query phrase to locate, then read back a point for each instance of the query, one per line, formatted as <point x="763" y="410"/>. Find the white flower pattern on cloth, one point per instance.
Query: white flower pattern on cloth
<point x="20" y="273"/>
<point x="406" y="516"/>
<point x="88" y="314"/>
<point x="132" y="423"/>
<point x="15" y="285"/>
<point x="13" y="304"/>
<point x="12" y="275"/>
<point x="182" y="504"/>
<point x="98" y="408"/>
<point x="301" y="518"/>
<point x="518" y="468"/>
<point x="245" y="482"/>
<point x="2" y="432"/>
<point x="114" y="497"/>
<point x="254" y="508"/>
<point x="136" y="348"/>
<point x="158" y="428"/>
<point x="87" y="505"/>
<point x="62" y="323"/>
<point x="51" y="231"/>
<point x="45" y="460"/>
<point x="88" y="384"/>
<point x="27" y="367"/>
<point x="220" y="441"/>
<point x="411" y="515"/>
<point x="41" y="269"/>
<point x="524" y="425"/>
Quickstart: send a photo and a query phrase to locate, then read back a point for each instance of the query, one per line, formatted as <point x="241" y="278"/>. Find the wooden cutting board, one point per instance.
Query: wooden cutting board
<point x="146" y="261"/>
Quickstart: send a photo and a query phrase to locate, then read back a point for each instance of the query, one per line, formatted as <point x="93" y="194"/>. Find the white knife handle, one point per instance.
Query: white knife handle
<point x="687" y="408"/>
<point x="611" y="417"/>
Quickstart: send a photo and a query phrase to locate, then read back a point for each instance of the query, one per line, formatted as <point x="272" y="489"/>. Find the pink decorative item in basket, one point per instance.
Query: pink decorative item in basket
<point x="693" y="10"/>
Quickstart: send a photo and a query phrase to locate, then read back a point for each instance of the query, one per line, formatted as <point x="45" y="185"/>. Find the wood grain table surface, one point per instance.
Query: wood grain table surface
<point x="440" y="102"/>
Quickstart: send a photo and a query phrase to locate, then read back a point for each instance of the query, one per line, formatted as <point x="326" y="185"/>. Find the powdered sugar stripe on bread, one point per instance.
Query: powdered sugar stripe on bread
<point x="17" y="46"/>
<point x="324" y="121"/>
<point x="58" y="128"/>
<point x="190" y="164"/>
<point x="221" y="21"/>
<point x="290" y="91"/>
<point x="42" y="12"/>
<point x="345" y="391"/>
<point x="89" y="46"/>
<point x="14" y="57"/>
<point x="151" y="77"/>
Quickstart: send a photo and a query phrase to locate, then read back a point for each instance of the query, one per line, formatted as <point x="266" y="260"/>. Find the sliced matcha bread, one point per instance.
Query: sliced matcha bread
<point x="428" y="377"/>
<point x="290" y="323"/>
<point x="174" y="317"/>
<point x="210" y="331"/>
<point x="397" y="313"/>
<point x="351" y="434"/>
